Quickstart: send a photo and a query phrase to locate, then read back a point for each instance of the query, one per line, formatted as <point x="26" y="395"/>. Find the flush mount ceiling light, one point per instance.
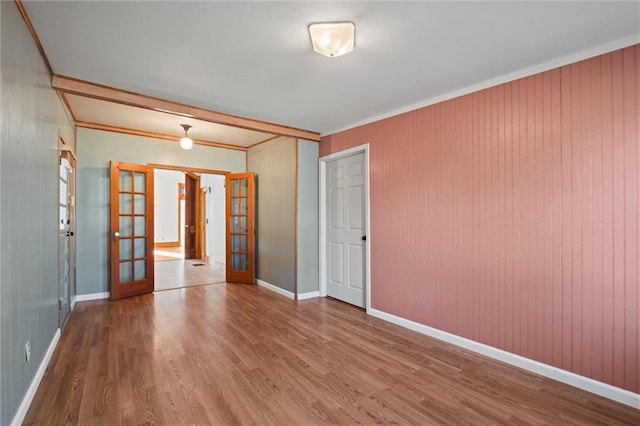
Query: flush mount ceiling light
<point x="333" y="39"/>
<point x="186" y="142"/>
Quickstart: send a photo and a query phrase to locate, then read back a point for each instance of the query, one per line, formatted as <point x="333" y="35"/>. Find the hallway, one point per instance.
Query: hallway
<point x="172" y="274"/>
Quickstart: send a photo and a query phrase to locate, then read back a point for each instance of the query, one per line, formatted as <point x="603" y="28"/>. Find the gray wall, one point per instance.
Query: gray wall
<point x="31" y="116"/>
<point x="274" y="165"/>
<point x="307" y="216"/>
<point x="95" y="149"/>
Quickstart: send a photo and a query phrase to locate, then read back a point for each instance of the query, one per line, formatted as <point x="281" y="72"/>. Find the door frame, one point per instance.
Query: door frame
<point x="191" y="204"/>
<point x="360" y="149"/>
<point x="181" y="197"/>
<point x="66" y="150"/>
<point x="193" y="171"/>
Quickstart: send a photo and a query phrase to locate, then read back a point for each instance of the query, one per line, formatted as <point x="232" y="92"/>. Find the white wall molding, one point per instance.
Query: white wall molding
<point x="526" y="72"/>
<point x="91" y="296"/>
<point x="275" y="289"/>
<point x="309" y="295"/>
<point x="599" y="388"/>
<point x="33" y="387"/>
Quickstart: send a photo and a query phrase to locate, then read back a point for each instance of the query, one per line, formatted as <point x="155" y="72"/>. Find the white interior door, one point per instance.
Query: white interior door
<point x="65" y="234"/>
<point x="346" y="229"/>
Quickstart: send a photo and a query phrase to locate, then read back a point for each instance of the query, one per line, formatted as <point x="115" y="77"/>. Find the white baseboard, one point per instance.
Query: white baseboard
<point x="91" y="296"/>
<point x="33" y="387"/>
<point x="73" y="302"/>
<point x="605" y="390"/>
<point x="275" y="289"/>
<point x="310" y="295"/>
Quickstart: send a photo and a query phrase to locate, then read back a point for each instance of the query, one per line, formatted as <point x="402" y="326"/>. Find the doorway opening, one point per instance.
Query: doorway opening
<point x="66" y="229"/>
<point x="189" y="227"/>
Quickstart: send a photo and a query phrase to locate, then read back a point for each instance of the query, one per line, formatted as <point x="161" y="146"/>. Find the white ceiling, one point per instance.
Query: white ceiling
<point x="254" y="59"/>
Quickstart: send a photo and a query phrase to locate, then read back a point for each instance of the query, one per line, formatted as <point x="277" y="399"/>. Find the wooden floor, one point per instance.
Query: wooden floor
<point x="240" y="354"/>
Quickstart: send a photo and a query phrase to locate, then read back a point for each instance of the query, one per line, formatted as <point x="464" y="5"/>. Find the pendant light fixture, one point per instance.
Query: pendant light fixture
<point x="186" y="142"/>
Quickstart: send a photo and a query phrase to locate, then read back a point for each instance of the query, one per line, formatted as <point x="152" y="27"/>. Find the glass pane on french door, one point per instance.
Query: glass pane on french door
<point x="132" y="219"/>
<point x="239" y="230"/>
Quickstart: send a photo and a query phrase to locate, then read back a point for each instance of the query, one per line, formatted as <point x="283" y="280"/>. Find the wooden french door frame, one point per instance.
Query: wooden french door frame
<point x="240" y="228"/>
<point x="131" y="231"/>
<point x="323" y="262"/>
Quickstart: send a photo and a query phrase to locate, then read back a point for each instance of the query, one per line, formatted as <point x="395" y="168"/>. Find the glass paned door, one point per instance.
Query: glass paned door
<point x="64" y="238"/>
<point x="131" y="230"/>
<point x="240" y="228"/>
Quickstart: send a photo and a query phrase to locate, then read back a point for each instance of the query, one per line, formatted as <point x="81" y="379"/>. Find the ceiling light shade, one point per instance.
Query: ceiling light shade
<point x="333" y="39"/>
<point x="186" y="142"/>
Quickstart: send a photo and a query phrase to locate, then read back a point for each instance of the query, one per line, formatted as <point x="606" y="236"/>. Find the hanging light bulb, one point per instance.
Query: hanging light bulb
<point x="186" y="142"/>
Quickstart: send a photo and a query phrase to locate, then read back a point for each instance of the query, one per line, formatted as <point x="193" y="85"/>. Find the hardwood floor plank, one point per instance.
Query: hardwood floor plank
<point x="239" y="354"/>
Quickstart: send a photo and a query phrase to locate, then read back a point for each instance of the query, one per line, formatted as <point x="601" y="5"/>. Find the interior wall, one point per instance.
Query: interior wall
<point x="215" y="211"/>
<point x="166" y="207"/>
<point x="307" y="212"/>
<point x="95" y="149"/>
<point x="510" y="216"/>
<point x="274" y="165"/>
<point x="32" y="114"/>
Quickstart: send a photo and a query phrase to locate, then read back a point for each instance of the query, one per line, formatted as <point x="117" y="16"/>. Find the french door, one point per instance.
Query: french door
<point x="131" y="247"/>
<point x="240" y="228"/>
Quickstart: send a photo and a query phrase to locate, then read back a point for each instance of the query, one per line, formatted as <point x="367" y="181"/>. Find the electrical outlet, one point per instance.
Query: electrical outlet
<point x="27" y="351"/>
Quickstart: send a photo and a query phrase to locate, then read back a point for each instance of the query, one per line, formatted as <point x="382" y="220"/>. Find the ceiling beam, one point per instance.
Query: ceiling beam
<point x="126" y="131"/>
<point x="97" y="91"/>
<point x="185" y="169"/>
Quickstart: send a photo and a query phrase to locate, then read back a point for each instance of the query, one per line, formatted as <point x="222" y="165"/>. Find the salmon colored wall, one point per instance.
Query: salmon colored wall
<point x="510" y="216"/>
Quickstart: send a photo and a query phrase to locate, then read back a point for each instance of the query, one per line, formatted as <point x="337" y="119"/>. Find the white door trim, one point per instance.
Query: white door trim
<point x="323" y="218"/>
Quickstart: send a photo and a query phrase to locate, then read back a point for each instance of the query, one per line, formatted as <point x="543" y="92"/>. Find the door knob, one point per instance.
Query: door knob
<point x="116" y="235"/>
<point x="364" y="238"/>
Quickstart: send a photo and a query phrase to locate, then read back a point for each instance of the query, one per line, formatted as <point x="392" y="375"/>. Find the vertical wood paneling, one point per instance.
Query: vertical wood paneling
<point x="617" y="188"/>
<point x="631" y="74"/>
<point x="607" y="217"/>
<point x="511" y="216"/>
<point x="307" y="216"/>
<point x="32" y="115"/>
<point x="274" y="165"/>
